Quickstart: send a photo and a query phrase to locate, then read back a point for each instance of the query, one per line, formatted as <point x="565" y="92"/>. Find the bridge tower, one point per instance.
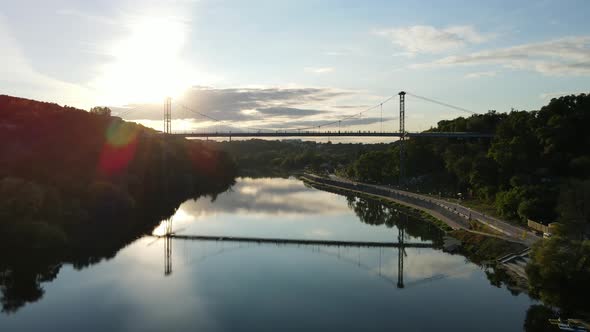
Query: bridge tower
<point x="402" y="138"/>
<point x="168" y="115"/>
<point x="168" y="248"/>
<point x="401" y="251"/>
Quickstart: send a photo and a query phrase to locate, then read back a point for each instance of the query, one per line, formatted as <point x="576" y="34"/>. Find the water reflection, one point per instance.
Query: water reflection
<point x="265" y="196"/>
<point x="169" y="284"/>
<point x="20" y="279"/>
<point x="23" y="272"/>
<point x="286" y="208"/>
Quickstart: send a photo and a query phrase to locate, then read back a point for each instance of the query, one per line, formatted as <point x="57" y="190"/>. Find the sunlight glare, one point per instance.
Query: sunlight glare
<point x="147" y="66"/>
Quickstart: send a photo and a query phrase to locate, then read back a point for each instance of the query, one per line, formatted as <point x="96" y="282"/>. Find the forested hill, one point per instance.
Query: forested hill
<point x="537" y="166"/>
<point x="66" y="173"/>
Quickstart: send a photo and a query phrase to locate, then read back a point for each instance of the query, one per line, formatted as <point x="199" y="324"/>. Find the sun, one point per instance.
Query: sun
<point x="147" y="65"/>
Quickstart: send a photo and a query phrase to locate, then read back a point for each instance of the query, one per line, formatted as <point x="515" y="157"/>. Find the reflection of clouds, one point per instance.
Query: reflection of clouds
<point x="140" y="285"/>
<point x="180" y="217"/>
<point x="420" y="264"/>
<point x="320" y="233"/>
<point x="267" y="196"/>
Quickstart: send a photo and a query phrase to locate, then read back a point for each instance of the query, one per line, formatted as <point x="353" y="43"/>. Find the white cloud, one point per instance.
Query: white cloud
<point x="428" y="39"/>
<point x="85" y="16"/>
<point x="481" y="74"/>
<point x="319" y="70"/>
<point x="563" y="56"/>
<point x="243" y="104"/>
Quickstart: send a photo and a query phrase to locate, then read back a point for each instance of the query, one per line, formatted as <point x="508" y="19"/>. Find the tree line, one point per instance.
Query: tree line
<point x="66" y="174"/>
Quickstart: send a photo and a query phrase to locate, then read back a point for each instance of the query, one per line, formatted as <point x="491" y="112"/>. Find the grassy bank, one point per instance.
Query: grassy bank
<point x="480" y="248"/>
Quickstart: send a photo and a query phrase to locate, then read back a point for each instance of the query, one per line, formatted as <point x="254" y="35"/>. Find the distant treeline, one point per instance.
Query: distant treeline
<point x="294" y="155"/>
<point x="68" y="176"/>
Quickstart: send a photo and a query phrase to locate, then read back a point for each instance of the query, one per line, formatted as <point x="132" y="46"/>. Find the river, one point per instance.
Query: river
<point x="187" y="285"/>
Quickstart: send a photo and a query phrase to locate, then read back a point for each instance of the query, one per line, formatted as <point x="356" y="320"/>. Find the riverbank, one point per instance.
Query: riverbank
<point x="406" y="208"/>
<point x="480" y="247"/>
<point x="454" y="215"/>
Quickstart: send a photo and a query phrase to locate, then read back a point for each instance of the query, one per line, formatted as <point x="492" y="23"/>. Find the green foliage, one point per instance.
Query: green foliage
<point x="574" y="207"/>
<point x="26" y="200"/>
<point x="375" y="166"/>
<point x="293" y="155"/>
<point x="102" y="111"/>
<point x="559" y="272"/>
<point x="480" y="248"/>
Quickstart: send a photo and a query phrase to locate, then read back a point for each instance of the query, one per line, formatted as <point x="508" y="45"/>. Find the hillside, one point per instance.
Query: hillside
<point x="67" y="175"/>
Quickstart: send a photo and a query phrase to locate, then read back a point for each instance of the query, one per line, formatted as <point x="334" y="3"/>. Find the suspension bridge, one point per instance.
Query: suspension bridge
<point x="330" y="129"/>
<point x="339" y="126"/>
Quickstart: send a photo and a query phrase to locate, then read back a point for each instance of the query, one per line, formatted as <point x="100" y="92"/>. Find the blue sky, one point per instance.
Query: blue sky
<point x="288" y="64"/>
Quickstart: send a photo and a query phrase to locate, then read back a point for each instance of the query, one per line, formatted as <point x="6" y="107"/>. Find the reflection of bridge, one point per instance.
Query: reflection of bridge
<point x="300" y="241"/>
<point x="317" y="246"/>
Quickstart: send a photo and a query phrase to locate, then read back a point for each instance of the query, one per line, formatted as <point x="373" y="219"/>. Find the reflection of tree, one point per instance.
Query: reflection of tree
<point x="499" y="277"/>
<point x="537" y="319"/>
<point x="21" y="273"/>
<point x="373" y="212"/>
<point x="369" y="211"/>
<point x="559" y="271"/>
<point x="20" y="279"/>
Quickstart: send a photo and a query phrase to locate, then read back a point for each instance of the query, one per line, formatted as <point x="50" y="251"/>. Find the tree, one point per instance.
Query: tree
<point x="574" y="207"/>
<point x="559" y="272"/>
<point x="103" y="111"/>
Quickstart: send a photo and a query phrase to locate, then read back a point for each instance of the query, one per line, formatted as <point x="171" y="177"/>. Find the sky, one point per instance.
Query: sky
<point x="282" y="64"/>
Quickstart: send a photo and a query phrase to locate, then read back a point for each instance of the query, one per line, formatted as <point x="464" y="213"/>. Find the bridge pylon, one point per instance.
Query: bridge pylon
<point x="402" y="137"/>
<point x="401" y="251"/>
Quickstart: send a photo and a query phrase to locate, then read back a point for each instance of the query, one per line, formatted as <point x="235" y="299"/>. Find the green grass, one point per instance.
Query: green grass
<point x="481" y="248"/>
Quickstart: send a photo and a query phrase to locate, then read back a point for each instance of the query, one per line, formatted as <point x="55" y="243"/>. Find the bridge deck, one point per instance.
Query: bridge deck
<point x="298" y="241"/>
<point x="336" y="134"/>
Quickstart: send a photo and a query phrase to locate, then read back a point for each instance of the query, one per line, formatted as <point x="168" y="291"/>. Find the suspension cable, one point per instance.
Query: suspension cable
<point x="442" y="103"/>
<point x="352" y="116"/>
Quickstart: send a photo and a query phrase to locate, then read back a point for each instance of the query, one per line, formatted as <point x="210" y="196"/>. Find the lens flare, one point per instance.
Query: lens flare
<point x="119" y="148"/>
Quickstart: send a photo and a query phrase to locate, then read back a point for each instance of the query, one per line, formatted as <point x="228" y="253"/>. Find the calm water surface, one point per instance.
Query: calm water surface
<point x="225" y="286"/>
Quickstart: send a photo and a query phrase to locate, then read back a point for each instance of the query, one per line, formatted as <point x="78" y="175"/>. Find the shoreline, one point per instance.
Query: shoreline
<point x="480" y="247"/>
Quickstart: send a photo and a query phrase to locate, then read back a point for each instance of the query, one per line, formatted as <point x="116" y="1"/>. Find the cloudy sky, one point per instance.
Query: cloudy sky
<point x="294" y="64"/>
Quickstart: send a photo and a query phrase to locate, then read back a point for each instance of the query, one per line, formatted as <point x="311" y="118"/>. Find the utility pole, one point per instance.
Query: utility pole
<point x="168" y="115"/>
<point x="402" y="138"/>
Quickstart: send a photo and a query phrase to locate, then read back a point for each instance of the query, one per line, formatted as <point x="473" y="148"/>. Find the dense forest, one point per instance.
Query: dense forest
<point x="293" y="155"/>
<point x="67" y="175"/>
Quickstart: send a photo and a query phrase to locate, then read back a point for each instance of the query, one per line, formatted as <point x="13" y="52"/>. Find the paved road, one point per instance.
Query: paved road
<point x="504" y="227"/>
